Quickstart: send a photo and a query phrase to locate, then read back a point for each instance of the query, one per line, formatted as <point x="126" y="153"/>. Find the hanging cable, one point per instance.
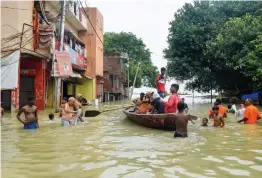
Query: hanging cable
<point x="16" y="8"/>
<point x="91" y="23"/>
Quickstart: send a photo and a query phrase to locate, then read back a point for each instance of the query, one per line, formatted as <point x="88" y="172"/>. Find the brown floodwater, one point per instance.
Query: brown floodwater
<point x="111" y="146"/>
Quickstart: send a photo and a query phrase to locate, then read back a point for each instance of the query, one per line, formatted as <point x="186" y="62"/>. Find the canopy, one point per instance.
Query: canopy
<point x="253" y="96"/>
<point x="9" y="71"/>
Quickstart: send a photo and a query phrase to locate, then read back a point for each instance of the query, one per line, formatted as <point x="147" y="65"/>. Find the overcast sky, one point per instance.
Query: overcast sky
<point x="148" y="19"/>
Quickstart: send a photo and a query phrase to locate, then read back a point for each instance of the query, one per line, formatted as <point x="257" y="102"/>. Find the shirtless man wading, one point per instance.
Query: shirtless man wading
<point x="31" y="118"/>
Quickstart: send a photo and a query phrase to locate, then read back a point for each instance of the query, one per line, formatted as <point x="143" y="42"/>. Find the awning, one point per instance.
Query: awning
<point x="76" y="75"/>
<point x="9" y="71"/>
<point x="63" y="67"/>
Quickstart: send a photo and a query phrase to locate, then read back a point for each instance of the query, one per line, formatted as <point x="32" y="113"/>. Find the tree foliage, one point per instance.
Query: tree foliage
<point x="208" y="42"/>
<point x="136" y="49"/>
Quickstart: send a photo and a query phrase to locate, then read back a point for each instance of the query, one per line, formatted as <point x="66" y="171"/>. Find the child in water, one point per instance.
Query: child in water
<point x="204" y="122"/>
<point x="218" y="118"/>
<point x="51" y="116"/>
<point x="181" y="121"/>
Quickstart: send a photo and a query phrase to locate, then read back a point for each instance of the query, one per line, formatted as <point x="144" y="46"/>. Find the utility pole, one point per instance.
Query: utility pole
<point x="57" y="78"/>
<point x="134" y="81"/>
<point x="128" y="93"/>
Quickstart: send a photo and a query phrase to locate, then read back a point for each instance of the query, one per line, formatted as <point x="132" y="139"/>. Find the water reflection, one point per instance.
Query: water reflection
<point x="111" y="146"/>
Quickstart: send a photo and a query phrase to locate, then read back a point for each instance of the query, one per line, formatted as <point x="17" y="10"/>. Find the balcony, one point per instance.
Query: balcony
<point x="78" y="60"/>
<point x="76" y="17"/>
<point x="74" y="14"/>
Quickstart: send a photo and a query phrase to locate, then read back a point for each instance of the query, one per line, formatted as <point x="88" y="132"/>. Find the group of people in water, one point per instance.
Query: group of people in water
<point x="153" y="103"/>
<point x="70" y="112"/>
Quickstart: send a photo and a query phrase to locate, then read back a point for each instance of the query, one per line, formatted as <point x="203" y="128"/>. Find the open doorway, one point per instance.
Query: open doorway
<point x="6" y="99"/>
<point x="26" y="89"/>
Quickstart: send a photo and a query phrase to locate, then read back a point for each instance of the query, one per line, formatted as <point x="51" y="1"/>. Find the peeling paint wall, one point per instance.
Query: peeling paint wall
<point x="87" y="89"/>
<point x="40" y="78"/>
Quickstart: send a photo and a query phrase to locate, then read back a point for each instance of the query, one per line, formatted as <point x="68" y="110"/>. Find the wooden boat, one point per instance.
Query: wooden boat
<point x="157" y="121"/>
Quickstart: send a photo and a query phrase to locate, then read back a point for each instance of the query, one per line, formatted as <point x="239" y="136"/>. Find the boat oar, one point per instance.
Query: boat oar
<point x="94" y="113"/>
<point x="191" y="118"/>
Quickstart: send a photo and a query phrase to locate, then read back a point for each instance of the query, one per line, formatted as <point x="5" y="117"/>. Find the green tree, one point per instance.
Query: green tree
<point x="191" y="35"/>
<point x="136" y="49"/>
<point x="237" y="49"/>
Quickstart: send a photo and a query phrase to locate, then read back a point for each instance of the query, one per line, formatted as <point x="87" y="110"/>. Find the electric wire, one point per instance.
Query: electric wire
<point x="91" y="23"/>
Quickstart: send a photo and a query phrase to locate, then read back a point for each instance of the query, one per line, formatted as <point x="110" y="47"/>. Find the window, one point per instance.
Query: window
<point x="111" y="80"/>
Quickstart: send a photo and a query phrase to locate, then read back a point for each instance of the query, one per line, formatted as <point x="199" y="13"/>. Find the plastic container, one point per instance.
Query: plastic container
<point x="96" y="102"/>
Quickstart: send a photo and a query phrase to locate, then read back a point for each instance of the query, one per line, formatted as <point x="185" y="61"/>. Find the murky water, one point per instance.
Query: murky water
<point x="111" y="146"/>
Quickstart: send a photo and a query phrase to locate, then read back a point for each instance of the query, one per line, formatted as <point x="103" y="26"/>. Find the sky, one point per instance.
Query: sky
<point x="148" y="19"/>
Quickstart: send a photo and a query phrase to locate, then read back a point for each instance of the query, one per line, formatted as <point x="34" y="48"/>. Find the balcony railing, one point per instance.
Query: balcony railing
<point x="76" y="58"/>
<point x="75" y="16"/>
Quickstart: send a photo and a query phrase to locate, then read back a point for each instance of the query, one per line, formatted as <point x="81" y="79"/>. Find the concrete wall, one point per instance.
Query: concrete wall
<point x="12" y="21"/>
<point x="50" y="93"/>
<point x="87" y="89"/>
<point x="95" y="47"/>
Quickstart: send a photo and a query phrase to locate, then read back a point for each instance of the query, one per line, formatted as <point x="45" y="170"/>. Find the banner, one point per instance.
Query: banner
<point x="63" y="64"/>
<point x="9" y="71"/>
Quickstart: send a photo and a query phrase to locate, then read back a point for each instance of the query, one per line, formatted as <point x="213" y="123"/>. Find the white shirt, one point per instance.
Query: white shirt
<point x="240" y="113"/>
<point x="234" y="108"/>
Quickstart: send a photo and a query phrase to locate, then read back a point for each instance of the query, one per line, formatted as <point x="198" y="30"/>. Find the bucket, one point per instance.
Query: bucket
<point x="96" y="102"/>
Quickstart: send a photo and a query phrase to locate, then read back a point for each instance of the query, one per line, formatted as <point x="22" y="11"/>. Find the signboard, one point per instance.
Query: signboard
<point x="63" y="65"/>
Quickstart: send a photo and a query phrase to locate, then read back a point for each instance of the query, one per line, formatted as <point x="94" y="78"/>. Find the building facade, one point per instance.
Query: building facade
<point x="35" y="33"/>
<point x="114" y="77"/>
<point x="95" y="49"/>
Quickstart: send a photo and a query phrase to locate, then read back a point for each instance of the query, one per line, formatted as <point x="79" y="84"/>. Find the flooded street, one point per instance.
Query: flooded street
<point x="110" y="145"/>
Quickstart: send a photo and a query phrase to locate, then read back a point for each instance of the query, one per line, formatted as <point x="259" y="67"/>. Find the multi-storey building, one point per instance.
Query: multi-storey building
<point x="114" y="77"/>
<point x="94" y="38"/>
<point x="34" y="33"/>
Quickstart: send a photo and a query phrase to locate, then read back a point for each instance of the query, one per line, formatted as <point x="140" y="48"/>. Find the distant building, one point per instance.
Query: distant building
<point x="114" y="77"/>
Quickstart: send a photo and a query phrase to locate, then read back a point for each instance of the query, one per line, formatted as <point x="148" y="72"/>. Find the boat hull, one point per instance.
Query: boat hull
<point x="156" y="121"/>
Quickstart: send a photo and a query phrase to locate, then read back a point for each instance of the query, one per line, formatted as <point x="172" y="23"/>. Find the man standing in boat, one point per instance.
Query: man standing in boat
<point x="171" y="105"/>
<point x="160" y="83"/>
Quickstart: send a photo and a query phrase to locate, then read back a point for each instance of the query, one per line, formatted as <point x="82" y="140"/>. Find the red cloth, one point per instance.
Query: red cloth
<point x="160" y="84"/>
<point x="171" y="105"/>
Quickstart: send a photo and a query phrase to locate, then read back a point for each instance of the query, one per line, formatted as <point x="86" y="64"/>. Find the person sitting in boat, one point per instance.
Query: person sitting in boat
<point x="181" y="121"/>
<point x="171" y="105"/>
<point x="158" y="107"/>
<point x="138" y="101"/>
<point x="145" y="105"/>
